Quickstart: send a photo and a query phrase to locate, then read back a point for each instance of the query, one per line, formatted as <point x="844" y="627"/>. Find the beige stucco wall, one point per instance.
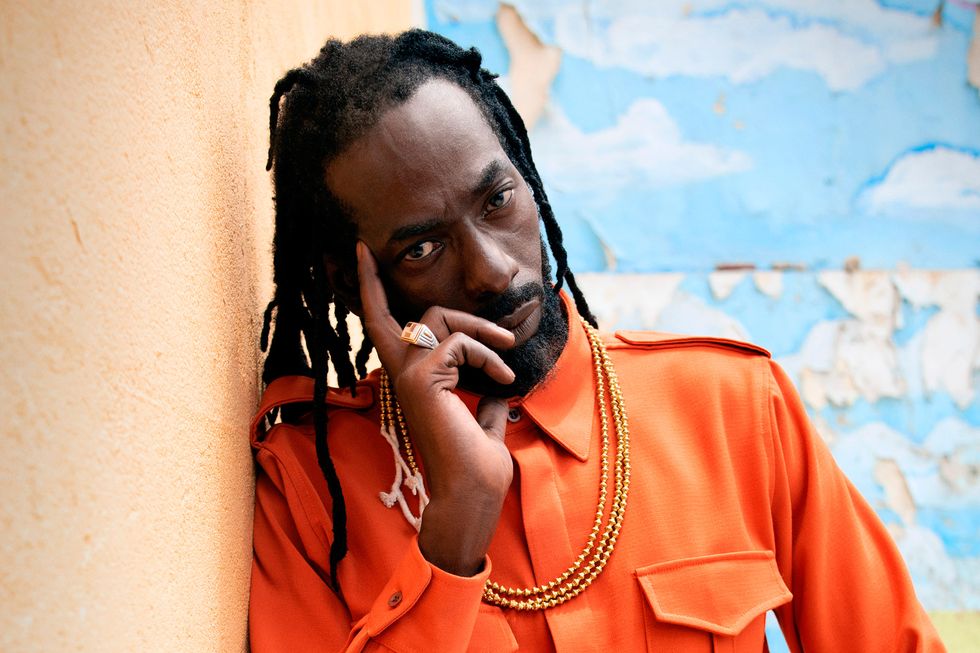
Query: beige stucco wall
<point x="134" y="262"/>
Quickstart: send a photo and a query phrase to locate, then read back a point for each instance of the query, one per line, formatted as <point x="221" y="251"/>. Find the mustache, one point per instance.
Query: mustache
<point x="507" y="302"/>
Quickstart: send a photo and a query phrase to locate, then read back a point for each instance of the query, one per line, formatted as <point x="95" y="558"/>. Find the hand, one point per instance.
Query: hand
<point x="469" y="468"/>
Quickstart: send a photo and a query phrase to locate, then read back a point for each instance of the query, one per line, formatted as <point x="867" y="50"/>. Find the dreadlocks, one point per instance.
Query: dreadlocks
<point x="316" y="111"/>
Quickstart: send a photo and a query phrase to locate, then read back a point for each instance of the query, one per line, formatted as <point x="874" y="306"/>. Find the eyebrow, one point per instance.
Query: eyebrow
<point x="488" y="175"/>
<point x="415" y="229"/>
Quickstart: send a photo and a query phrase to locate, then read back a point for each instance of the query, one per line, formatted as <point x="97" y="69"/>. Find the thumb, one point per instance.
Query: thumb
<point x="491" y="414"/>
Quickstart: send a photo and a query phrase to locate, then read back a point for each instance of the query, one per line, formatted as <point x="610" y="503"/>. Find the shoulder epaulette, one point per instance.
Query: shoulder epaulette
<point x="299" y="390"/>
<point x="657" y="340"/>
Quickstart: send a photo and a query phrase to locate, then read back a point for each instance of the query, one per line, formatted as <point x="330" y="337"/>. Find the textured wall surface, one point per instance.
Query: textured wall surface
<point x="802" y="174"/>
<point x="137" y="219"/>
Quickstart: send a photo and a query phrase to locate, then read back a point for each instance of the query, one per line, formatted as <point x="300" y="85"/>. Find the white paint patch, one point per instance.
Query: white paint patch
<point x="950" y="343"/>
<point x="941" y="178"/>
<point x="690" y="314"/>
<point x="723" y="283"/>
<point x="644" y="149"/>
<point x="654" y="302"/>
<point x="769" y="282"/>
<point x="868" y="360"/>
<point x="629" y="301"/>
<point x="843" y="360"/>
<point x="869" y="295"/>
<point x="889" y="476"/>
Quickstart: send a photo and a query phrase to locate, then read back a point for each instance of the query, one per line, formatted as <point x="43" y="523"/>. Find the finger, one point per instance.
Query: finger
<point x="381" y="326"/>
<point x="459" y="349"/>
<point x="444" y="321"/>
<point x="491" y="414"/>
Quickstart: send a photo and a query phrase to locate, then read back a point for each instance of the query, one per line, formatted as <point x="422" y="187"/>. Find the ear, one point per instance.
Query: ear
<point x="343" y="280"/>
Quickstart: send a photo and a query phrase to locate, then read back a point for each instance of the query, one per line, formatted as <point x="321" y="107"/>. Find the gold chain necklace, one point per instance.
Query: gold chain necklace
<point x="598" y="548"/>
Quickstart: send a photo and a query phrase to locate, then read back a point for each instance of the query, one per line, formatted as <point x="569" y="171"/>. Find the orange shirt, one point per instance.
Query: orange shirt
<point x="736" y="507"/>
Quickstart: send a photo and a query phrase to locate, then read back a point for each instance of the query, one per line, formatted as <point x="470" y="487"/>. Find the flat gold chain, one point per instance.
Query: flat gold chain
<point x="601" y="540"/>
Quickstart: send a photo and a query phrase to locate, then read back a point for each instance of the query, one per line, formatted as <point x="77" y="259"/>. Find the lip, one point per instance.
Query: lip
<point x="516" y="318"/>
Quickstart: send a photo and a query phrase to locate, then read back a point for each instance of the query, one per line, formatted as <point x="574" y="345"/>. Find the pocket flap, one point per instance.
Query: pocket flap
<point x="719" y="593"/>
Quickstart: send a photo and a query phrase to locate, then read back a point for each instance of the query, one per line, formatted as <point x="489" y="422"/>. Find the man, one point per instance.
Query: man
<point x="554" y="489"/>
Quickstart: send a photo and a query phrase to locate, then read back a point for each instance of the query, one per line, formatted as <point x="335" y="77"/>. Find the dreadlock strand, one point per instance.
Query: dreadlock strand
<point x="580" y="303"/>
<point x="283" y="86"/>
<point x="363" y="353"/>
<point x="323" y="333"/>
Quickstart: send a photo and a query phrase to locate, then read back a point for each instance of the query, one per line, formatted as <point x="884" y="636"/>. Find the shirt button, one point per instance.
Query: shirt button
<point x="394" y="599"/>
<point x="514" y="415"/>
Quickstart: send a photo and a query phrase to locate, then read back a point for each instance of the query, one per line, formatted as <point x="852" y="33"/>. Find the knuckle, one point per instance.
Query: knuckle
<point x="433" y="315"/>
<point x="456" y="339"/>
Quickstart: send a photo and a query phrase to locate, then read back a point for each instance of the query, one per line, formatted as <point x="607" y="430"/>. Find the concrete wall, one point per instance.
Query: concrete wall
<point x="805" y="175"/>
<point x="135" y="261"/>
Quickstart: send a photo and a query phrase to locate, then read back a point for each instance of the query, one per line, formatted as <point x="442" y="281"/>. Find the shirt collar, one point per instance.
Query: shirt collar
<point x="563" y="404"/>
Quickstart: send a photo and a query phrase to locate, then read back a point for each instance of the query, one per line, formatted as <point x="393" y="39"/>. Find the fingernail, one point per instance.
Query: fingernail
<point x="360" y="249"/>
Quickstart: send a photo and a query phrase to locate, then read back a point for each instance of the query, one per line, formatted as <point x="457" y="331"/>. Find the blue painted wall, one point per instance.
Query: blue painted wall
<point x="796" y="138"/>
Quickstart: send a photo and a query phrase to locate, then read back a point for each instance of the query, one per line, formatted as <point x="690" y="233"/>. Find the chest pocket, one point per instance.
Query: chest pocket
<point x="711" y="603"/>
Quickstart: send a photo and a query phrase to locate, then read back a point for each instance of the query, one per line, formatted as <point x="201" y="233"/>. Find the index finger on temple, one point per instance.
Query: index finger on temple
<point x="381" y="326"/>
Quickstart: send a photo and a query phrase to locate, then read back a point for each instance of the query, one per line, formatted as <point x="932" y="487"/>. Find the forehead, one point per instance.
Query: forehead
<point x="421" y="155"/>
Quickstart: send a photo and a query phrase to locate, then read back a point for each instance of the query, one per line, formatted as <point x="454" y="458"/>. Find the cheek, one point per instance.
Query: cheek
<point x="409" y="298"/>
<point x="528" y="242"/>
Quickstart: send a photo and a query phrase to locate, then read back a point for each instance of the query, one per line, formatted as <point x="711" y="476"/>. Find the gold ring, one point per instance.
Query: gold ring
<point x="419" y="335"/>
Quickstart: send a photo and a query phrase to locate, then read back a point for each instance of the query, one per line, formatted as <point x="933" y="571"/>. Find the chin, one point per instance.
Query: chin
<point x="532" y="360"/>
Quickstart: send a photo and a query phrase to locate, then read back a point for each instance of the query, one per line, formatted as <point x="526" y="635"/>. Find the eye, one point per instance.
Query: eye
<point x="422" y="249"/>
<point x="500" y="199"/>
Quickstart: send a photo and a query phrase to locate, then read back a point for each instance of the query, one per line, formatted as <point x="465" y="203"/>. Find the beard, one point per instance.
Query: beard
<point x="533" y="359"/>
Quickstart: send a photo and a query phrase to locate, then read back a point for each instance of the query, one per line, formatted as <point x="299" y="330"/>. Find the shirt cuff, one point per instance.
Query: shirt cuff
<point x="423" y="607"/>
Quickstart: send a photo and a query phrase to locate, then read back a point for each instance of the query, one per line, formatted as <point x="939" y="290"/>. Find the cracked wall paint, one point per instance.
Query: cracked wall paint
<point x="724" y="283"/>
<point x="845" y="188"/>
<point x="760" y="157"/>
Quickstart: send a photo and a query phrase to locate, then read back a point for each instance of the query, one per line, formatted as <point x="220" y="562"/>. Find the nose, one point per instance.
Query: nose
<point x="487" y="265"/>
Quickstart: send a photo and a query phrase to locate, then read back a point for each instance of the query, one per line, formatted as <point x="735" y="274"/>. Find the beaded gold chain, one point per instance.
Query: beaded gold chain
<point x="593" y="558"/>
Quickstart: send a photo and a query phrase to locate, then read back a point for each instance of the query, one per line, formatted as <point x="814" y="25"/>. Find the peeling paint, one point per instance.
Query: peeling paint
<point x="647" y="157"/>
<point x="951" y="337"/>
<point x="617" y="295"/>
<point x="533" y="65"/>
<point x="769" y="282"/>
<point x="724" y="282"/>
<point x="868" y="296"/>
<point x="889" y="476"/>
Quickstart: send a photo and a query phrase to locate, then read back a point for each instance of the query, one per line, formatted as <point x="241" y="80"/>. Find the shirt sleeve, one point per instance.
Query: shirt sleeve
<point x="851" y="589"/>
<point x="292" y="606"/>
